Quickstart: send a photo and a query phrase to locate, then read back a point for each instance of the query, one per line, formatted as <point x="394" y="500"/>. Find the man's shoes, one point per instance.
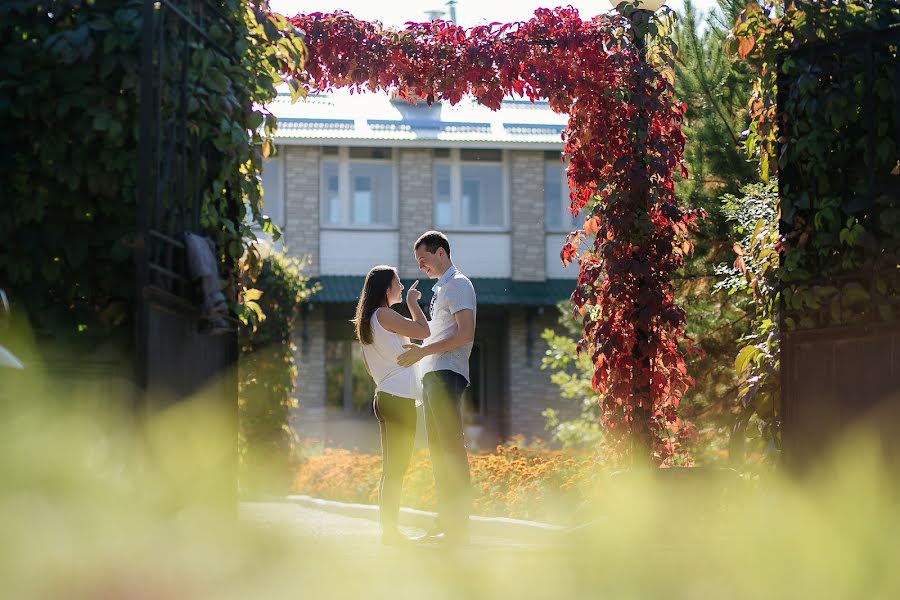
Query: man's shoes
<point x="433" y="535"/>
<point x="443" y="538"/>
<point x="392" y="537"/>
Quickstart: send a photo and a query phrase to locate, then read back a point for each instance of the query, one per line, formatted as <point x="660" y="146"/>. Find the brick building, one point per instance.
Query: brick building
<point x="357" y="178"/>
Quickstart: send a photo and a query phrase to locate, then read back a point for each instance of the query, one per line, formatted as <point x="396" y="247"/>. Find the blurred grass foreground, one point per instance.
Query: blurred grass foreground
<point x="98" y="503"/>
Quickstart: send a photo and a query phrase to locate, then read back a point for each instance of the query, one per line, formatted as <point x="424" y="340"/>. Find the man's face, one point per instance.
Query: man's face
<point x="429" y="262"/>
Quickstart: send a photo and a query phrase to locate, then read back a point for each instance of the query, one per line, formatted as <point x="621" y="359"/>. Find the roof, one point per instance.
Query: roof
<point x="364" y="118"/>
<point x="495" y="291"/>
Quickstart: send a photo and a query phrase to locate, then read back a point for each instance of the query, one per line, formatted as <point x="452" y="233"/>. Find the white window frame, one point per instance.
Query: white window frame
<point x="344" y="161"/>
<point x="565" y="200"/>
<point x="455" y="163"/>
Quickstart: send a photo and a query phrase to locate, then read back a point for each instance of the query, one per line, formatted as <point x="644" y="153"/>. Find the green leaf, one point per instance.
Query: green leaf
<point x="854" y="294"/>
<point x="743" y="358"/>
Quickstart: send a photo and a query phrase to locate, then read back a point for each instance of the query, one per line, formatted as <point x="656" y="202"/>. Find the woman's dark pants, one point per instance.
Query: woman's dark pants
<point x="397" y="422"/>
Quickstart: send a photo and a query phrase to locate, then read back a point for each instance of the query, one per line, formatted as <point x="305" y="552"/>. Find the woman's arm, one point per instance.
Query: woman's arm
<point x="416" y="328"/>
<point x="393" y="321"/>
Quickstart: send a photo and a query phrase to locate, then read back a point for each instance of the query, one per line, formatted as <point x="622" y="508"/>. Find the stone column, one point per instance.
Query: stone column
<point x="527" y="209"/>
<point x="301" y="204"/>
<point x="308" y="419"/>
<point x="416" y="209"/>
<point x="530" y="388"/>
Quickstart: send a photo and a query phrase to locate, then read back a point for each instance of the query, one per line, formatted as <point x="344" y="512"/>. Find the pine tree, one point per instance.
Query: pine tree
<point x="715" y="87"/>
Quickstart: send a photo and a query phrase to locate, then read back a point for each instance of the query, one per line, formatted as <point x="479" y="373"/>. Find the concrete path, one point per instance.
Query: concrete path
<point x="362" y="534"/>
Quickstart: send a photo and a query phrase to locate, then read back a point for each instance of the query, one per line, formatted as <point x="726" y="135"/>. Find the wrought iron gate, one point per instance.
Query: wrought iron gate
<point x="174" y="359"/>
<point x="835" y="375"/>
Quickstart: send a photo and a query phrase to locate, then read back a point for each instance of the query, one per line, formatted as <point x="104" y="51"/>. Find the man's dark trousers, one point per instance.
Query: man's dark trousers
<point x="443" y="391"/>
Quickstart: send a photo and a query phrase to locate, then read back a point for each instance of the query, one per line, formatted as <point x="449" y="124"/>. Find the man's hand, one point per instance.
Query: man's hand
<point x="413" y="295"/>
<point x="412" y="355"/>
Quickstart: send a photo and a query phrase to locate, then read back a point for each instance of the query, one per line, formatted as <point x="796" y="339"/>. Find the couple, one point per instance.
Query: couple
<point x="440" y="366"/>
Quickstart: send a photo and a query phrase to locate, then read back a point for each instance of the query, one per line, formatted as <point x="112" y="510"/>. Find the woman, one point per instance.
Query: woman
<point x="382" y="332"/>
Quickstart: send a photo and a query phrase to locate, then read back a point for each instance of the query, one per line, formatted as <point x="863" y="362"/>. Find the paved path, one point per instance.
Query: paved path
<point x="338" y="556"/>
<point x="353" y="532"/>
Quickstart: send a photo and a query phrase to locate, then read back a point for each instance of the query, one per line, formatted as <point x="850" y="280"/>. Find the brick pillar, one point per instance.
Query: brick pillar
<point x="301" y="204"/>
<point x="308" y="419"/>
<point x="530" y="388"/>
<point x="527" y="209"/>
<point x="416" y="211"/>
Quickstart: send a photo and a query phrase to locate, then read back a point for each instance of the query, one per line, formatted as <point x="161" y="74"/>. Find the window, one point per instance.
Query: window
<point x="357" y="187"/>
<point x="348" y="386"/>
<point x="469" y="189"/>
<point x="273" y="189"/>
<point x="556" y="196"/>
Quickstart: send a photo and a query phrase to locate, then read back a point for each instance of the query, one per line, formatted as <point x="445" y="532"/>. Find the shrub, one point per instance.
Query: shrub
<point x="268" y="373"/>
<point x="517" y="482"/>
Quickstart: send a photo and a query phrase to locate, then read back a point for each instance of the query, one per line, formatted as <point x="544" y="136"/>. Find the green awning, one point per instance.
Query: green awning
<point x="345" y="289"/>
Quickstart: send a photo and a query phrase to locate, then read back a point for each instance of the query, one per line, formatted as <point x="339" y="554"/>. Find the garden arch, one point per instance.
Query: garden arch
<point x="624" y="144"/>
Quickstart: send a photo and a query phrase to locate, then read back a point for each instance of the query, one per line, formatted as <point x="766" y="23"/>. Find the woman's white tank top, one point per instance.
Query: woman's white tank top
<point x="381" y="356"/>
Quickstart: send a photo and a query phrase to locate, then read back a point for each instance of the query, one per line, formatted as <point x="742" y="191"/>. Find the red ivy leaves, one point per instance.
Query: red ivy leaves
<point x="624" y="143"/>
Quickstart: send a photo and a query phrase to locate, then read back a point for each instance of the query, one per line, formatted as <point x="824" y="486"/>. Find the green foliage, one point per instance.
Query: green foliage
<point x="715" y="321"/>
<point x="839" y="163"/>
<point x="68" y="110"/>
<point x="715" y="87"/>
<point x="753" y="279"/>
<point x="69" y="90"/>
<point x="835" y="260"/>
<point x="763" y="32"/>
<point x="572" y="373"/>
<point x="268" y="373"/>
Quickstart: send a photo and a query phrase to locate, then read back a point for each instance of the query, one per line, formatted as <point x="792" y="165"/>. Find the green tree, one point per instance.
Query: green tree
<point x="715" y="86"/>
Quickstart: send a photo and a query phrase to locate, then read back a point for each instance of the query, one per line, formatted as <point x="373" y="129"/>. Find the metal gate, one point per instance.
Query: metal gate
<point x="833" y="376"/>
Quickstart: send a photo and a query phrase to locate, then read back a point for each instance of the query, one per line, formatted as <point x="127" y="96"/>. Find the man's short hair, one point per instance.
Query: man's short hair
<point x="432" y="240"/>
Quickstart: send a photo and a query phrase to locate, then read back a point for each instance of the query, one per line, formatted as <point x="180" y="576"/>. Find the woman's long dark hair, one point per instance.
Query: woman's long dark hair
<point x="373" y="294"/>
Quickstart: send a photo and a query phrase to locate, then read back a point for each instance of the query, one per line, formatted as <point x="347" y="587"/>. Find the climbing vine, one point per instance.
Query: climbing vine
<point x="823" y="250"/>
<point x="69" y="97"/>
<point x="624" y="144"/>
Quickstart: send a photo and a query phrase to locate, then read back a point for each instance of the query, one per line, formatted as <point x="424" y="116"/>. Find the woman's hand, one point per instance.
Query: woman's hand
<point x="413" y="294"/>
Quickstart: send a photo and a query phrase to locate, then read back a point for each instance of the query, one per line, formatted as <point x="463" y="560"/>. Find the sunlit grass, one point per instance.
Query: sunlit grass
<point x="100" y="504"/>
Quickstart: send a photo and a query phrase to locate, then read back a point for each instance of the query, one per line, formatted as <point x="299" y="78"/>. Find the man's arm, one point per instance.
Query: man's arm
<point x="464" y="334"/>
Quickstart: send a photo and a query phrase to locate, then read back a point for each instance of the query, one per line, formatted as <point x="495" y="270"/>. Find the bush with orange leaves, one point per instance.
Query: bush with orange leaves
<point x="523" y="482"/>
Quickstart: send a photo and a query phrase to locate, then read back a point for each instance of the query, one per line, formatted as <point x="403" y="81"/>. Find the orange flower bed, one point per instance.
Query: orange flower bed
<point x="525" y="483"/>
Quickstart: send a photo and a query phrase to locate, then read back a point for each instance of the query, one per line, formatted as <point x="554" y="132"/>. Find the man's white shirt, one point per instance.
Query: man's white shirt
<point x="453" y="292"/>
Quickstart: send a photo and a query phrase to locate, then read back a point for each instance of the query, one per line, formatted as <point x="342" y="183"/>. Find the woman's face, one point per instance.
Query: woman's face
<point x="395" y="292"/>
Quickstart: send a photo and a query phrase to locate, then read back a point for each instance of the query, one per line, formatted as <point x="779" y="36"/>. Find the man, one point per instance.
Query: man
<point x="445" y="367"/>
